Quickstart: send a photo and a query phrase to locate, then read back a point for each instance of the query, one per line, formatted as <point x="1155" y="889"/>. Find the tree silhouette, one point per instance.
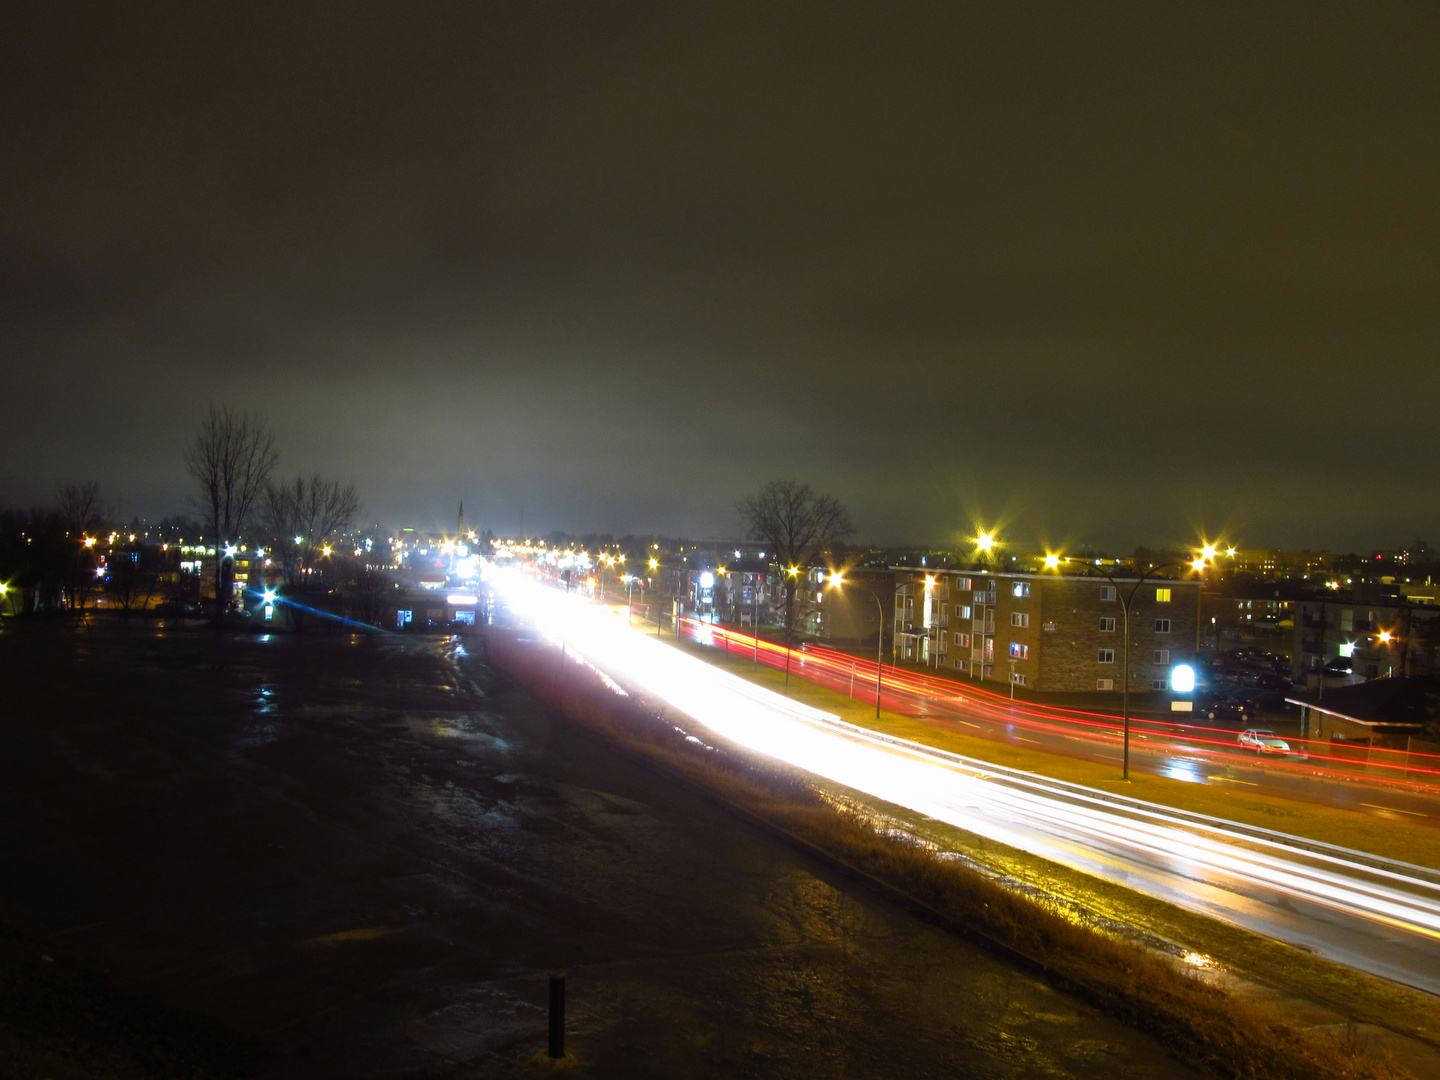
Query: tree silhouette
<point x="230" y="457"/>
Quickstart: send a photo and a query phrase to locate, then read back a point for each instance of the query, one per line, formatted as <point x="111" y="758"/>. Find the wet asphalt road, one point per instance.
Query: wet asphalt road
<point x="363" y="855"/>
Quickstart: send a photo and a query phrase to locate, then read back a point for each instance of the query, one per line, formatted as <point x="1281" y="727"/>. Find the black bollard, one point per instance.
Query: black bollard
<point x="557" y="1014"/>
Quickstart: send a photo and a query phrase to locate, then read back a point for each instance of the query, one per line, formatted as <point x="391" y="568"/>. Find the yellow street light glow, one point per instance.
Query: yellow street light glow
<point x="1208" y="551"/>
<point x="1052" y="561"/>
<point x="1384" y="637"/>
<point x="836" y="580"/>
<point x="1198" y="564"/>
<point x="985" y="541"/>
<point x="1230" y="552"/>
<point x="792" y="571"/>
<point x="654" y="564"/>
<point x="89" y="541"/>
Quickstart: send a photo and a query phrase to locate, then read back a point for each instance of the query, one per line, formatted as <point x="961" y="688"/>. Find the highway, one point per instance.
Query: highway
<point x="1377" y="915"/>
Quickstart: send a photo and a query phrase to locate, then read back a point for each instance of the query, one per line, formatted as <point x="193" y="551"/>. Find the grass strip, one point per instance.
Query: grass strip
<point x="1199" y="1022"/>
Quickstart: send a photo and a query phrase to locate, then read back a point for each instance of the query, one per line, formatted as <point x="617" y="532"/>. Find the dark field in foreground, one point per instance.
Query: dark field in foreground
<point x="337" y="856"/>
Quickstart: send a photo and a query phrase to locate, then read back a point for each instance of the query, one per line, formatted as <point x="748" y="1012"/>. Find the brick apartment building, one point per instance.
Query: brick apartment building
<point x="1048" y="632"/>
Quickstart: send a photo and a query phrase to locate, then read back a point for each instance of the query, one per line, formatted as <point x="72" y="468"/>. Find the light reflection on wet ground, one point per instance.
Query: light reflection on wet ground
<point x="367" y="855"/>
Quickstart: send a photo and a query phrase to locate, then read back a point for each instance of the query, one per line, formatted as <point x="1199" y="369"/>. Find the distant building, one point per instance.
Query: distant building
<point x="1048" y="632"/>
<point x="1279" y="564"/>
<point x="1379" y="639"/>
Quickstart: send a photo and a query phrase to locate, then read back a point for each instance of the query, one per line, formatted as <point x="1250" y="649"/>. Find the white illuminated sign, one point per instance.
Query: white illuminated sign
<point x="461" y="598"/>
<point x="1182" y="678"/>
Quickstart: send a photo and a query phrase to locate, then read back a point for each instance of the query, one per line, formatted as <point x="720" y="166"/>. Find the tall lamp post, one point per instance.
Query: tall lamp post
<point x="837" y="580"/>
<point x="1052" y="562"/>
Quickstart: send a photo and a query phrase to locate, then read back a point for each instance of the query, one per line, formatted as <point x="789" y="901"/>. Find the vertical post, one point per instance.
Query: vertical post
<point x="1125" y="609"/>
<point x="557" y="1014"/>
<point x="879" y="655"/>
<point x="755" y="622"/>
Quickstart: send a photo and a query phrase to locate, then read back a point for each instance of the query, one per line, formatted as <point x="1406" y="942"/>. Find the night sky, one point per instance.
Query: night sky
<point x="1106" y="273"/>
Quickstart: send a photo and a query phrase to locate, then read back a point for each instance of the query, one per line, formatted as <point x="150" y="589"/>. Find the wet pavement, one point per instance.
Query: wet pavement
<point x="363" y="855"/>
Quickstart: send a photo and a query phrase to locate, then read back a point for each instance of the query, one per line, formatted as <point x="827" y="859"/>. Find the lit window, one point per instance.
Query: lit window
<point x="1162" y="596"/>
<point x="1162" y="626"/>
<point x="962" y="611"/>
<point x="1021" y="588"/>
<point x="1105" y="656"/>
<point x="1107" y="592"/>
<point x="1104" y="684"/>
<point x="1107" y="626"/>
<point x="962" y="640"/>
<point x="1019" y="618"/>
<point x="1018" y="678"/>
<point x="1018" y="651"/>
<point x="1162" y="656"/>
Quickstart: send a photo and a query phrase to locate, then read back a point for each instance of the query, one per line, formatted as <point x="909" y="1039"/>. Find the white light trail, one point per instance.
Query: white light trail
<point x="1377" y="914"/>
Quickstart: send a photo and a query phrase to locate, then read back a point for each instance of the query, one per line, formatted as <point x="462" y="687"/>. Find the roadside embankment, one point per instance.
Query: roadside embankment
<point x="1202" y="1023"/>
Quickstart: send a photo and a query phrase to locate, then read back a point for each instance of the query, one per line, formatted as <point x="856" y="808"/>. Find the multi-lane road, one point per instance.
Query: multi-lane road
<point x="1387" y="783"/>
<point x="1375" y="914"/>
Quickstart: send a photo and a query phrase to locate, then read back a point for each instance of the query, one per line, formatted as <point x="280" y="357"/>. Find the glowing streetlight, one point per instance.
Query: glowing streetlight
<point x="985" y="542"/>
<point x="836" y="581"/>
<point x="1052" y="562"/>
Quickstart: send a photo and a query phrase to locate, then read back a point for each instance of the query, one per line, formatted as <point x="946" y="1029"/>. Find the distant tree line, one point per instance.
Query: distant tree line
<point x="57" y="559"/>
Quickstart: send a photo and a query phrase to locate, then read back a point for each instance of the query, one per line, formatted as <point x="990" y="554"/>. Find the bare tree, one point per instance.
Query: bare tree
<point x="82" y="515"/>
<point x="302" y="516"/>
<point x="230" y="458"/>
<point x="797" y="524"/>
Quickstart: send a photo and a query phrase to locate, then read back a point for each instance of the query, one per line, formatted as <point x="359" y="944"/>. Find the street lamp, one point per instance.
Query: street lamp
<point x="837" y="580"/>
<point x="1125" y="601"/>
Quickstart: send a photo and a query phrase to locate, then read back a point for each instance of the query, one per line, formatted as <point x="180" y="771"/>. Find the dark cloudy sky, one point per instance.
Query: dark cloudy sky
<point x="1108" y="272"/>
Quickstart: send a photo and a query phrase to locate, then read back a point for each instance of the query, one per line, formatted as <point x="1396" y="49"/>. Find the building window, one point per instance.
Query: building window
<point x="989" y="650"/>
<point x="1018" y="651"/>
<point x="1017" y="678"/>
<point x="1107" y="626"/>
<point x="962" y="640"/>
<point x="1105" y="656"/>
<point x="962" y="611"/>
<point x="1107" y="592"/>
<point x="1019" y="618"/>
<point x="1104" y="684"/>
<point x="980" y="595"/>
<point x="963" y="583"/>
<point x="962" y="665"/>
<point x="1159" y="684"/>
<point x="1162" y="626"/>
<point x="1162" y="656"/>
<point x="1162" y="596"/>
<point x="1021" y="588"/>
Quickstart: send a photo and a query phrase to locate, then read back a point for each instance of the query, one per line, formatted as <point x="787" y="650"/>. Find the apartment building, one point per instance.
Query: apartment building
<point x="1048" y="632"/>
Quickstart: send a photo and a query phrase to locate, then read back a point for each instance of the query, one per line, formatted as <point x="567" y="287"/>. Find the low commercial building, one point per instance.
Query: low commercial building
<point x="1384" y="713"/>
<point x="1046" y="631"/>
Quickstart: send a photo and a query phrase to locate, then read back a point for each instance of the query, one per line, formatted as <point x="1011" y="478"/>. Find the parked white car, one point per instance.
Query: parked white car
<point x="1263" y="740"/>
